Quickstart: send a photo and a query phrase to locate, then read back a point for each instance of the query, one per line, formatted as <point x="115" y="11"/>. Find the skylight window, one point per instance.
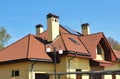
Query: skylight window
<point x="74" y="41"/>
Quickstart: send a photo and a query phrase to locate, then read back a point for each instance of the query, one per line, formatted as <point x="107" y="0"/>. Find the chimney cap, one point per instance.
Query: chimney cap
<point x="52" y="15"/>
<point x="85" y="24"/>
<point x="39" y="25"/>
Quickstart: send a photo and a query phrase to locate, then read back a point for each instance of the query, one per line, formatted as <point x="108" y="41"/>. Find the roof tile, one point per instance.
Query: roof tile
<point x="91" y="41"/>
<point x="27" y="47"/>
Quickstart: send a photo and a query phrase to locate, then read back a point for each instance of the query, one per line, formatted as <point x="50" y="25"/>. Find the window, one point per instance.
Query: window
<point x="15" y="73"/>
<point x="99" y="49"/>
<point x="74" y="41"/>
<point x="113" y="76"/>
<point x="41" y="76"/>
<point x="78" y="76"/>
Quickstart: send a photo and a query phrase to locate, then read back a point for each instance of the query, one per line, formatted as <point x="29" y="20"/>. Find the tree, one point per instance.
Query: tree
<point x="4" y="37"/>
<point x="114" y="44"/>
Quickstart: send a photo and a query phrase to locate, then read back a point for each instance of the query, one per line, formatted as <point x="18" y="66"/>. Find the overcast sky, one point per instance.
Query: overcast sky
<point x="19" y="17"/>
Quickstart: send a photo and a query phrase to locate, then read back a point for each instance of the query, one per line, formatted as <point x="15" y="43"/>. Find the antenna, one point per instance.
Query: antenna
<point x="81" y="22"/>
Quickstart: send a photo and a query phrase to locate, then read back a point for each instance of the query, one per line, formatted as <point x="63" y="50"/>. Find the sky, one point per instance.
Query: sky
<point x="19" y="17"/>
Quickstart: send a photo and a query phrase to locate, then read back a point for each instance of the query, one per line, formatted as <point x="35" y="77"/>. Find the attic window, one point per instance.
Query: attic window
<point x="99" y="49"/>
<point x="74" y="41"/>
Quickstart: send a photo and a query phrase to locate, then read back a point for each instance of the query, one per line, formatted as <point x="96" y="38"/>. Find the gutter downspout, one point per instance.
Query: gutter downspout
<point x="69" y="62"/>
<point x="32" y="69"/>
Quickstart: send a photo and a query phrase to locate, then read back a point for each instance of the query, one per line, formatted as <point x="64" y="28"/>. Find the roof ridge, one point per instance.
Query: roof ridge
<point x="65" y="29"/>
<point x="84" y="45"/>
<point x="16" y="42"/>
<point x="40" y="34"/>
<point x="96" y="33"/>
<point x="69" y="31"/>
<point x="28" y="45"/>
<point x="63" y="41"/>
<point x="92" y="34"/>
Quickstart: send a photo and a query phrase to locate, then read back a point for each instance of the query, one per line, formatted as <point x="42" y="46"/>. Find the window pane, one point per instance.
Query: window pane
<point x="17" y="73"/>
<point x="99" y="50"/>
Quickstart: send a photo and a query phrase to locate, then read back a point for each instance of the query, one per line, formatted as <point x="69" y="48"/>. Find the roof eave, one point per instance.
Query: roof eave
<point x="79" y="54"/>
<point x="25" y="59"/>
<point x="40" y="60"/>
<point x="13" y="61"/>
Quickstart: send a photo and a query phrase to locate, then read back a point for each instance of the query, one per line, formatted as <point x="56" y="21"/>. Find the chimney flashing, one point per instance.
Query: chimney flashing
<point x="52" y="15"/>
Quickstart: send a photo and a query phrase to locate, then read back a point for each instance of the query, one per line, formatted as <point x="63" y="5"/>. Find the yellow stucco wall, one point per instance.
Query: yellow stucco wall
<point x="62" y="66"/>
<point x="6" y="70"/>
<point x="78" y="63"/>
<point x="40" y="67"/>
<point x="44" y="67"/>
<point x="25" y="70"/>
<point x="116" y="66"/>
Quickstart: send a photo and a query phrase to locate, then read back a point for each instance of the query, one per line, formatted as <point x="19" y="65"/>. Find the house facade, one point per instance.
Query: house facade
<point x="59" y="50"/>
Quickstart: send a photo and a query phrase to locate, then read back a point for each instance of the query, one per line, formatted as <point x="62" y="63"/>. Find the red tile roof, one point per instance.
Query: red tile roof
<point x="63" y="42"/>
<point x="100" y="63"/>
<point x="58" y="44"/>
<point x="117" y="54"/>
<point x="75" y="45"/>
<point x="25" y="48"/>
<point x="31" y="47"/>
<point x="91" y="41"/>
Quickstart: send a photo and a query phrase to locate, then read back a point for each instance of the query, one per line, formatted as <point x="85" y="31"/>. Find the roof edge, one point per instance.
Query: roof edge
<point x="28" y="46"/>
<point x="16" y="41"/>
<point x="25" y="59"/>
<point x="13" y="61"/>
<point x="69" y="31"/>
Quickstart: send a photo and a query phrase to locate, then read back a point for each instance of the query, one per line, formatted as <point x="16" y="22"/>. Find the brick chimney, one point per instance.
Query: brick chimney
<point x="53" y="26"/>
<point x="39" y="29"/>
<point x="85" y="29"/>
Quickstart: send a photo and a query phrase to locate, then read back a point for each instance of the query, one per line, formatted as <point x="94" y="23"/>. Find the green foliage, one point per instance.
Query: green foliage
<point x="4" y="37"/>
<point x="114" y="44"/>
